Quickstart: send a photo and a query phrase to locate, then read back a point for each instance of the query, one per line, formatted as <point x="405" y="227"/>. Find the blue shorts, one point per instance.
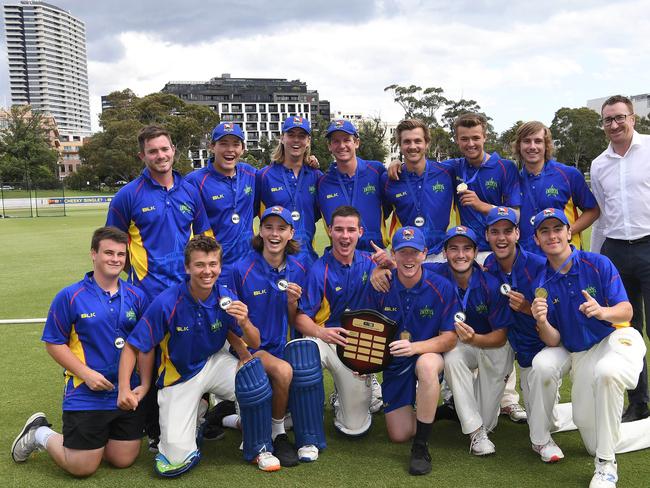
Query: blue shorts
<point x="399" y="385"/>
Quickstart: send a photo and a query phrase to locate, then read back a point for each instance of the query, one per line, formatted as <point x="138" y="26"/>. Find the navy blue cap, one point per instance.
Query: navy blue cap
<point x="296" y="123"/>
<point x="501" y="213"/>
<point x="278" y="211"/>
<point x="343" y="126"/>
<point x="461" y="231"/>
<point x="409" y="237"/>
<point x="550" y="213"/>
<point x="227" y="129"/>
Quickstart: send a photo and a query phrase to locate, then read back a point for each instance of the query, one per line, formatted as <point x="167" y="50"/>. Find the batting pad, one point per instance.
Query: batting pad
<point x="306" y="395"/>
<point x="253" y="392"/>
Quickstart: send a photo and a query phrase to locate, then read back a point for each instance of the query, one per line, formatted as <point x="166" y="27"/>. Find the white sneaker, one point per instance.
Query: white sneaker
<point x="605" y="475"/>
<point x="376" y="401"/>
<point x="334" y="399"/>
<point x="479" y="444"/>
<point x="515" y="412"/>
<point x="549" y="452"/>
<point x="308" y="454"/>
<point x="266" y="461"/>
<point x="25" y="443"/>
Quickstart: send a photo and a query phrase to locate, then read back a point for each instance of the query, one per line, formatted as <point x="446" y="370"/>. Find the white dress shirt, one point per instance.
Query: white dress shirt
<point x="621" y="185"/>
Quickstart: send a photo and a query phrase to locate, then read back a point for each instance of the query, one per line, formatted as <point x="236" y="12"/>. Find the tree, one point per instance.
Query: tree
<point x="419" y="103"/>
<point x="26" y="152"/>
<point x="372" y="133"/>
<point x="266" y="150"/>
<point x="442" y="145"/>
<point x="642" y="125"/>
<point x="112" y="153"/>
<point x="578" y="136"/>
<point x="319" y="142"/>
<point x="504" y="141"/>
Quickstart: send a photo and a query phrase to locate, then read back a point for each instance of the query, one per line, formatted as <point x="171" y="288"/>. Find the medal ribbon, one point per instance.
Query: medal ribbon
<point x="529" y="192"/>
<point x="415" y="195"/>
<point x="543" y="280"/>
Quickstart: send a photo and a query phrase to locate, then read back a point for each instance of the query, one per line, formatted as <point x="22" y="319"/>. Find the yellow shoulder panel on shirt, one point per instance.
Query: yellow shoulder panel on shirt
<point x="166" y="366"/>
<point x="76" y="347"/>
<point x="137" y="252"/>
<point x="324" y="313"/>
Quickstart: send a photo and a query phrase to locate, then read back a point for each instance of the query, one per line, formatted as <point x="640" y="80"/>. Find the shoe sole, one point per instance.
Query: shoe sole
<point x="23" y="432"/>
<point x="552" y="459"/>
<point x="482" y="454"/>
<point x="419" y="473"/>
<point x="269" y="469"/>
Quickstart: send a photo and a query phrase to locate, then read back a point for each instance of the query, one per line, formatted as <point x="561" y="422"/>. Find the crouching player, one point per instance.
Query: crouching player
<point x="85" y="332"/>
<point x="581" y="302"/>
<point x="335" y="283"/>
<point x="269" y="281"/>
<point x="190" y="321"/>
<point x="423" y="305"/>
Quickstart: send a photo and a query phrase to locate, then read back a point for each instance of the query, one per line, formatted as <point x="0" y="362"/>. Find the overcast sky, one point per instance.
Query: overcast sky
<point x="519" y="60"/>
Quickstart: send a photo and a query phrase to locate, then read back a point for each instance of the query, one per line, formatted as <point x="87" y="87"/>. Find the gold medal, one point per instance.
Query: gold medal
<point x="405" y="335"/>
<point x="541" y="292"/>
<point x="462" y="187"/>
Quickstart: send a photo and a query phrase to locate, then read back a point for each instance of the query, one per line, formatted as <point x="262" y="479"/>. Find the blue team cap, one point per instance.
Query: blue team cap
<point x="501" y="213"/>
<point x="550" y="213"/>
<point x="409" y="237"/>
<point x="227" y="129"/>
<point x="296" y="123"/>
<point x="343" y="126"/>
<point x="461" y="231"/>
<point x="279" y="211"/>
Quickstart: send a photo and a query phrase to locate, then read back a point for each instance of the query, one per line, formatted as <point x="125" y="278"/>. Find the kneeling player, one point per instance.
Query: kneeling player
<point x="269" y="281"/>
<point x="190" y="321"/>
<point x="423" y="304"/>
<point x="84" y="333"/>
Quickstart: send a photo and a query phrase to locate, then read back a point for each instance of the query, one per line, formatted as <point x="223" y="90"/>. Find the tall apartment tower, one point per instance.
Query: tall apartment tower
<point x="46" y="47"/>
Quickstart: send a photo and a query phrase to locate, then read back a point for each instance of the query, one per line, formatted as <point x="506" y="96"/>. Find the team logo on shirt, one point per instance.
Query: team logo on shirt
<point x="591" y="290"/>
<point x="248" y="190"/>
<point x="369" y="189"/>
<point x="491" y="184"/>
<point x="214" y="327"/>
<point x="87" y="315"/>
<point x="364" y="277"/>
<point x="551" y="191"/>
<point x="481" y="308"/>
<point x="184" y="208"/>
<point x="312" y="189"/>
<point x="130" y="315"/>
<point x="338" y="288"/>
<point x="426" y="312"/>
<point x="438" y="187"/>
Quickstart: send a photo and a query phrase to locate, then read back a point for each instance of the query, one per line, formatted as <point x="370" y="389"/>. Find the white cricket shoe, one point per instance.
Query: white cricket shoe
<point x="308" y="453"/>
<point x="605" y="475"/>
<point x="266" y="461"/>
<point x="479" y="444"/>
<point x="376" y="400"/>
<point x="549" y="452"/>
<point x="515" y="413"/>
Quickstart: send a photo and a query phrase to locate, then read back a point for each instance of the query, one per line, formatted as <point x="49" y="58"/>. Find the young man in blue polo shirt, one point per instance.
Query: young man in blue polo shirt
<point x="291" y="183"/>
<point x="85" y="331"/>
<point x="546" y="183"/>
<point x="581" y="302"/>
<point x="423" y="305"/>
<point x="190" y="321"/>
<point x="355" y="182"/>
<point x="423" y="195"/>
<point x="482" y="328"/>
<point x="334" y="284"/>
<point x="227" y="188"/>
<point x="542" y="367"/>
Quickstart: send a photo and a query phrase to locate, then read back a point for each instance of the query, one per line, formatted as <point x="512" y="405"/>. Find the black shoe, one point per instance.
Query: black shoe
<point x="447" y="411"/>
<point x="153" y="444"/>
<point x="285" y="451"/>
<point x="636" y="411"/>
<point x="420" y="459"/>
<point x="213" y="420"/>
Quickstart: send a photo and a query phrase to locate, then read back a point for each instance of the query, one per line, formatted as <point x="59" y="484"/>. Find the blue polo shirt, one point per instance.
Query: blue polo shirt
<point x="256" y="285"/>
<point x="362" y="191"/>
<point x="159" y="222"/>
<point x="333" y="287"/>
<point x="486" y="308"/>
<point x="424" y="310"/>
<point x="224" y="196"/>
<point x="557" y="186"/>
<point x="597" y="275"/>
<point x="188" y="331"/>
<point x="278" y="185"/>
<point x="93" y="323"/>
<point x="429" y="195"/>
<point x="495" y="182"/>
<point x="522" y="335"/>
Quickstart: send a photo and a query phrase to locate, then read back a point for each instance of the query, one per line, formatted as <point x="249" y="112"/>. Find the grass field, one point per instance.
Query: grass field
<point x="40" y="256"/>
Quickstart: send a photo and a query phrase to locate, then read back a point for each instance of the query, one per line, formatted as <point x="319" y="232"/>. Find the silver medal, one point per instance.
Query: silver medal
<point x="419" y="221"/>
<point x="505" y="288"/>
<point x="119" y="342"/>
<point x="225" y="302"/>
<point x="295" y="215"/>
<point x="235" y="218"/>
<point x="461" y="187"/>
<point x="459" y="317"/>
<point x="283" y="285"/>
